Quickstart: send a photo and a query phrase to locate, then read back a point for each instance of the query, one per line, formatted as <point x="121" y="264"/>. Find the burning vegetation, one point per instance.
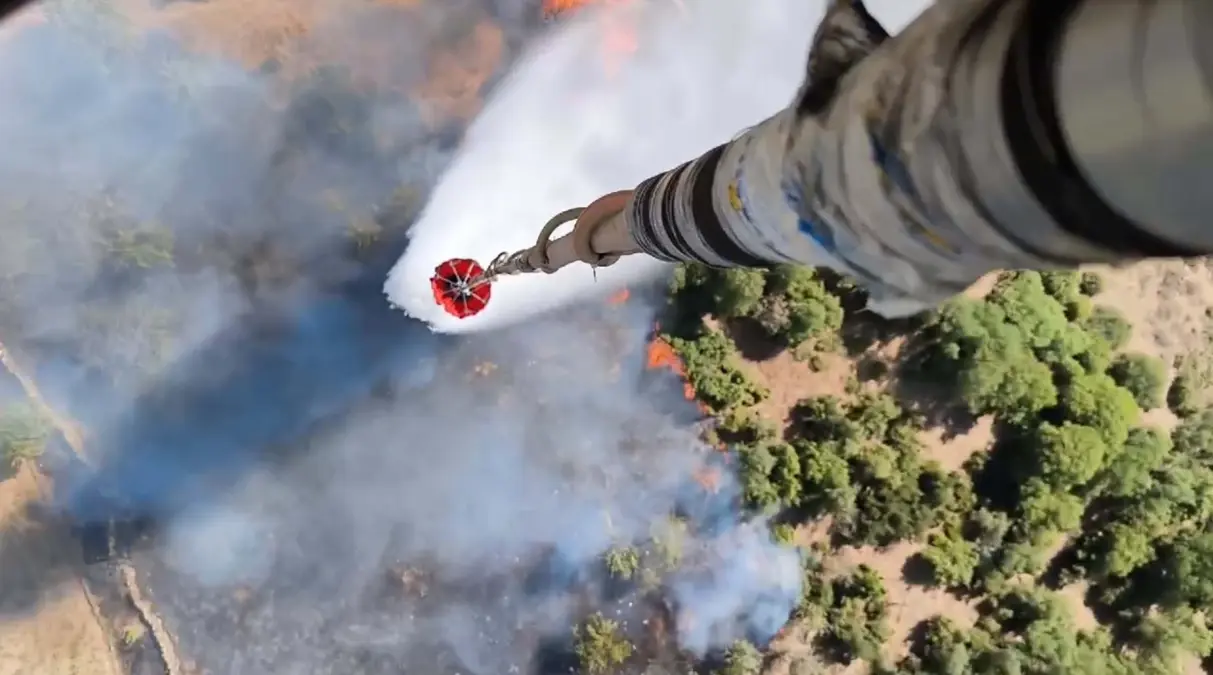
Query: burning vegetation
<point x="289" y="446"/>
<point x="273" y="439"/>
<point x="555" y="8"/>
<point x="239" y="416"/>
<point x="619" y="39"/>
<point x="661" y="356"/>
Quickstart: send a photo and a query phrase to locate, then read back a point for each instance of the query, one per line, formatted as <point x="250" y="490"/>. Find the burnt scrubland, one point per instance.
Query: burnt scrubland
<point x="241" y="460"/>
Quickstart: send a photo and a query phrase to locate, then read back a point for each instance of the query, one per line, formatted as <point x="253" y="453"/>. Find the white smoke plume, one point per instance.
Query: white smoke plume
<point x="567" y="127"/>
<point x="337" y="488"/>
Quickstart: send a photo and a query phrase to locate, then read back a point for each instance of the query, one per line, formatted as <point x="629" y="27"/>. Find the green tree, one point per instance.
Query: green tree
<point x="798" y="306"/>
<point x="1046" y="510"/>
<point x="1004" y="378"/>
<point x="784" y="534"/>
<point x="988" y="530"/>
<point x="948" y="493"/>
<point x="745" y="425"/>
<point x="24" y="433"/>
<point x="1035" y="634"/>
<point x="1164" y="638"/>
<point x="823" y="418"/>
<point x="1193" y="437"/>
<point x="1129" y="546"/>
<point x="1111" y="325"/>
<point x="143" y="248"/>
<point x="994" y="347"/>
<point x="600" y="647"/>
<point x="953" y="560"/>
<point x="1098" y="402"/>
<point x="622" y="562"/>
<point x="1182" y="396"/>
<point x="889" y="510"/>
<point x="711" y="366"/>
<point x="873" y="414"/>
<point x="944" y="649"/>
<point x="736" y="291"/>
<point x="857" y="620"/>
<point x="1069" y="455"/>
<point x="742" y="658"/>
<point x="1027" y="305"/>
<point x="1079" y="309"/>
<point x="1097" y="356"/>
<point x="770" y="474"/>
<point x="1062" y="285"/>
<point x="827" y="478"/>
<point x="816" y="593"/>
<point x="1130" y="472"/>
<point x="669" y="537"/>
<point x="689" y="298"/>
<point x="1091" y="284"/>
<point x="957" y="328"/>
<point x="774" y="316"/>
<point x="1190" y="570"/>
<point x="688" y="277"/>
<point x="1143" y="376"/>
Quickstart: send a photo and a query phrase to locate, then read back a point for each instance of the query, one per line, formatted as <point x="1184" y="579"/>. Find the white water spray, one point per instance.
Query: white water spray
<point x="565" y="128"/>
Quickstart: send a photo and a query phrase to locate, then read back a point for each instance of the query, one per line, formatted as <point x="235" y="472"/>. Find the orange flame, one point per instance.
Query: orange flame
<point x="554" y="8"/>
<point x="662" y="355"/>
<point x="619" y="297"/>
<point x="708" y="478"/>
<point x="619" y="39"/>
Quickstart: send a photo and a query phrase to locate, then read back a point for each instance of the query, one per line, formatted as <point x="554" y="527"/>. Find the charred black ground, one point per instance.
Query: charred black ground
<point x="219" y="327"/>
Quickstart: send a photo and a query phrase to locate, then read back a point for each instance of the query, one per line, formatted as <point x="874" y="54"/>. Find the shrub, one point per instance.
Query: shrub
<point x="1143" y="376"/>
<point x="622" y="562"/>
<point x="599" y="646"/>
<point x="1181" y="397"/>
<point x="1110" y="325"/>
<point x="1063" y="285"/>
<point x="736" y="292"/>
<point x="1090" y="284"/>
<point x="23" y="433"/>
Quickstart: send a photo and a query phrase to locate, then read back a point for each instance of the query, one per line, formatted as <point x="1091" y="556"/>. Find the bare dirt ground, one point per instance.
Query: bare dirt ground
<point x="443" y="65"/>
<point x="790" y="380"/>
<point x="48" y="621"/>
<point x="1074" y="596"/>
<point x="909" y="604"/>
<point x="952" y="452"/>
<point x="67" y="555"/>
<point x="1169" y="304"/>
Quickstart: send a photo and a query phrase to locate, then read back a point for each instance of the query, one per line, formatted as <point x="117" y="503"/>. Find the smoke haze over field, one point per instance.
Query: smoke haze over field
<point x="568" y="125"/>
<point x="190" y="258"/>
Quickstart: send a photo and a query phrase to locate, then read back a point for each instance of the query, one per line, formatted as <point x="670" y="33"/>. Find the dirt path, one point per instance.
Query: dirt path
<point x="49" y="624"/>
<point x="165" y="644"/>
<point x="909" y="604"/>
<point x="74" y="435"/>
